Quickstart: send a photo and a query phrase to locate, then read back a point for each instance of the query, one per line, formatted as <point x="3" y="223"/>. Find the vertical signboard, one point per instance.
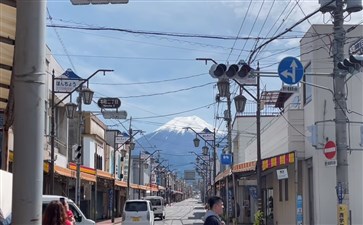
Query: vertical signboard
<point x="342" y="214"/>
<point x="299" y="210"/>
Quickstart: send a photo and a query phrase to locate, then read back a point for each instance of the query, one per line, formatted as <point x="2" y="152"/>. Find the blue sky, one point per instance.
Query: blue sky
<point x="158" y="75"/>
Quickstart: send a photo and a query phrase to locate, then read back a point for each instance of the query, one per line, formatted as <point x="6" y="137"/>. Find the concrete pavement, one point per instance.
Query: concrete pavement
<point x="108" y="222"/>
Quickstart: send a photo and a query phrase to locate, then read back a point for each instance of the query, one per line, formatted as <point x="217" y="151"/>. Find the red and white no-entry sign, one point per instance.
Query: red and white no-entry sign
<point x="330" y="150"/>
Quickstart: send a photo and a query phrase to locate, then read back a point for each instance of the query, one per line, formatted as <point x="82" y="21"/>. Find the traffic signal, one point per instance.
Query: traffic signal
<point x="238" y="72"/>
<point x="217" y="70"/>
<point x="354" y="63"/>
<point x="78" y="152"/>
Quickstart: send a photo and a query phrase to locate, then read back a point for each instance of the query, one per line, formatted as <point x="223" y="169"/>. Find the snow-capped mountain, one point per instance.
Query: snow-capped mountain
<point x="179" y="123"/>
<point x="175" y="143"/>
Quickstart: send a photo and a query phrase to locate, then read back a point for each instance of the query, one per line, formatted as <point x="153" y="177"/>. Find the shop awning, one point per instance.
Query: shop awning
<point x="244" y="167"/>
<point x="121" y="183"/>
<point x="88" y="177"/>
<point x="105" y="175"/>
<point x="176" y="192"/>
<point x="161" y="188"/>
<point x="83" y="169"/>
<point x="64" y="171"/>
<point x="278" y="160"/>
<point x="7" y="42"/>
<point x="223" y="174"/>
<point x="268" y="163"/>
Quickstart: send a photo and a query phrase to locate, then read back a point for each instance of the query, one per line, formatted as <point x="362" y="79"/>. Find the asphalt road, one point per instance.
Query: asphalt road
<point x="189" y="211"/>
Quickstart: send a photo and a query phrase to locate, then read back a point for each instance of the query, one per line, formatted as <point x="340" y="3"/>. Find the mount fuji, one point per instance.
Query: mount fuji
<point x="175" y="142"/>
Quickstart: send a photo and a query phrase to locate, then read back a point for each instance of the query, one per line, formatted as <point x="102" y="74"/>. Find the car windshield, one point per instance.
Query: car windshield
<point x="155" y="202"/>
<point x="136" y="206"/>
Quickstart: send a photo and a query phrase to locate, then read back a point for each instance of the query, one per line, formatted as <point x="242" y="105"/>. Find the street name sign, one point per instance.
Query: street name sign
<point x="109" y="103"/>
<point x="121" y="139"/>
<point x="119" y="115"/>
<point x="290" y="70"/>
<point x="62" y="85"/>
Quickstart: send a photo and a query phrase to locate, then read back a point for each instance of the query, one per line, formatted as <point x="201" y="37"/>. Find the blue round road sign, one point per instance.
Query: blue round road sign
<point x="290" y="70"/>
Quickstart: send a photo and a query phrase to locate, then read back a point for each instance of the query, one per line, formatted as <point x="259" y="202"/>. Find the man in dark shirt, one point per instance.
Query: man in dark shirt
<point x="215" y="210"/>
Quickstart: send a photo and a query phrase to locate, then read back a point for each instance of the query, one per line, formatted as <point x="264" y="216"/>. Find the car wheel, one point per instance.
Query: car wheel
<point x="161" y="217"/>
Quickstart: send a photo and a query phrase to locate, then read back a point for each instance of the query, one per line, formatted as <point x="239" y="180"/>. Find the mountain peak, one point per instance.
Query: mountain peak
<point x="178" y="123"/>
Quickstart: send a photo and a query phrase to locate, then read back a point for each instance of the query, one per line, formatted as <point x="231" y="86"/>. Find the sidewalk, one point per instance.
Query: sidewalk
<point x="108" y="222"/>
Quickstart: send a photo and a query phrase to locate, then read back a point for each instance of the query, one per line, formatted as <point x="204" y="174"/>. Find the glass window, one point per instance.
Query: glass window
<point x="280" y="190"/>
<point x="136" y="206"/>
<point x="155" y="202"/>
<point x="286" y="189"/>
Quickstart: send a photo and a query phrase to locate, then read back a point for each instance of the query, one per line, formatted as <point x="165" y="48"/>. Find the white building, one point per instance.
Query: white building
<point x="285" y="145"/>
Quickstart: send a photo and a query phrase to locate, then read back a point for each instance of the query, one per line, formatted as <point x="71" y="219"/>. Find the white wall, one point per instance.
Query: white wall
<point x="322" y="108"/>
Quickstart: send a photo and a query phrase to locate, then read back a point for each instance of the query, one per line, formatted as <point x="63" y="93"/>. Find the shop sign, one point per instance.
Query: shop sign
<point x="342" y="214"/>
<point x="282" y="174"/>
<point x="299" y="210"/>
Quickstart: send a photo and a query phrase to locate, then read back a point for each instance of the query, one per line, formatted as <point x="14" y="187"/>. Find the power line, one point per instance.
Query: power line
<point x="162" y="93"/>
<point x="151" y="82"/>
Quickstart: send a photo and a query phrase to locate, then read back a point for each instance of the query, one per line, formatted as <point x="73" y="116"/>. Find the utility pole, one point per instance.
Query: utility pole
<point x="258" y="127"/>
<point x="214" y="162"/>
<point x="79" y="160"/>
<point x="140" y="165"/>
<point x="29" y="85"/>
<point x="340" y="110"/>
<point x="129" y="164"/>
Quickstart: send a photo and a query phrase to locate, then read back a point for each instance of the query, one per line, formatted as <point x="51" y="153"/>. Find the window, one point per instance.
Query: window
<point x="136" y="206"/>
<point x="308" y="89"/>
<point x="280" y="190"/>
<point x="155" y="202"/>
<point x="286" y="189"/>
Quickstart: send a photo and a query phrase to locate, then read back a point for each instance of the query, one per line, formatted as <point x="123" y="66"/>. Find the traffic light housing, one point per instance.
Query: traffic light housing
<point x="354" y="63"/>
<point x="240" y="72"/>
<point x="78" y="152"/>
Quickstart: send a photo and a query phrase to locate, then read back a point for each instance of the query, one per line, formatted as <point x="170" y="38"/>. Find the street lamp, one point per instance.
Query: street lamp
<point x="70" y="112"/>
<point x="145" y="166"/>
<point x="240" y="103"/>
<point x="239" y="73"/>
<point x="196" y="142"/>
<point x="205" y="150"/>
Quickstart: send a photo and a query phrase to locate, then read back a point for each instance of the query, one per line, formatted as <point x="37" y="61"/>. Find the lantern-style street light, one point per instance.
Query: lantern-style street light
<point x="213" y="146"/>
<point x="70" y="113"/>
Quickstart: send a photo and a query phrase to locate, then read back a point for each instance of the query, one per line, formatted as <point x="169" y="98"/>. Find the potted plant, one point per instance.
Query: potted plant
<point x="258" y="218"/>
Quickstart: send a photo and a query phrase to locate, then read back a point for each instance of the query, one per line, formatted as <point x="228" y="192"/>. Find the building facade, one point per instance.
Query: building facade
<point x="298" y="181"/>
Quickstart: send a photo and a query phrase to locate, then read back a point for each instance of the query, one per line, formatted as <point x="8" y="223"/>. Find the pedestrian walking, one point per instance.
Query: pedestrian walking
<point x="216" y="207"/>
<point x="55" y="214"/>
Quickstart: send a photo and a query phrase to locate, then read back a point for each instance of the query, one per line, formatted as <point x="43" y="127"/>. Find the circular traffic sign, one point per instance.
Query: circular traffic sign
<point x="290" y="70"/>
<point x="330" y="150"/>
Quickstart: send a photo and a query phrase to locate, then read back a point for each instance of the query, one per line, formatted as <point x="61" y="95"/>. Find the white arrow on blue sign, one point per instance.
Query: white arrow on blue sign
<point x="290" y="70"/>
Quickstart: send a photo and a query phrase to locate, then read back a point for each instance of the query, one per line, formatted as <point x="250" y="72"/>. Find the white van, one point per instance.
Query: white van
<point x="138" y="212"/>
<point x="157" y="203"/>
<point x="78" y="215"/>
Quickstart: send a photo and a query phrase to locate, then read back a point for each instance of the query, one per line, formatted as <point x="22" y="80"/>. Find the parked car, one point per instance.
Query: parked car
<point x="78" y="215"/>
<point x="157" y="203"/>
<point x="138" y="212"/>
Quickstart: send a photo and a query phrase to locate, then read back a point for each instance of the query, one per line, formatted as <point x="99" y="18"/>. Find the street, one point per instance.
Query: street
<point x="189" y="211"/>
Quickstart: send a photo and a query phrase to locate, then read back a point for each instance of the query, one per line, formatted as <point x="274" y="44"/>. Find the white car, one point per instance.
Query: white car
<point x="138" y="212"/>
<point x="157" y="204"/>
<point x="78" y="215"/>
